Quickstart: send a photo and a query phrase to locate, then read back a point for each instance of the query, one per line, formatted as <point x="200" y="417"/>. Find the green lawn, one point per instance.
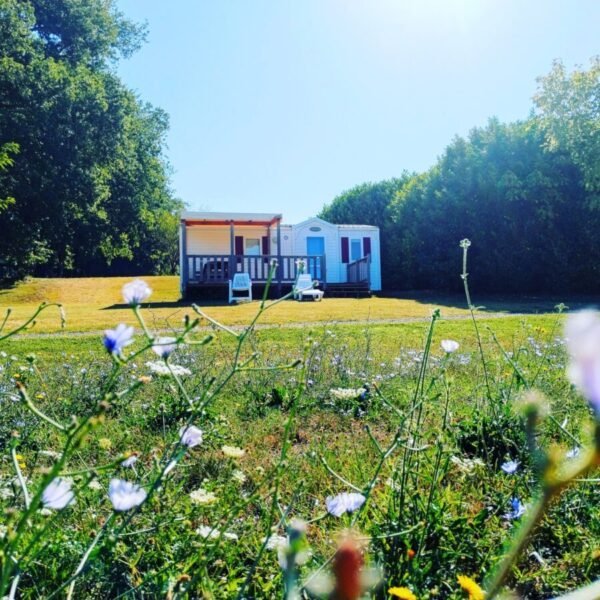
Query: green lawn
<point x="436" y="502"/>
<point x="93" y="304"/>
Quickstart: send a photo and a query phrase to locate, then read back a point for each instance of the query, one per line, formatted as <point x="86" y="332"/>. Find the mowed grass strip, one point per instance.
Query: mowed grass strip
<point x="96" y="303"/>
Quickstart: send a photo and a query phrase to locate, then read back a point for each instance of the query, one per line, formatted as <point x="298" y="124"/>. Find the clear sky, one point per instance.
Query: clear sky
<point x="280" y="105"/>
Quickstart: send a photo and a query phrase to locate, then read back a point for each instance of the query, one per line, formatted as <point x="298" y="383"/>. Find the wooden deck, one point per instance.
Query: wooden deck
<point x="219" y="269"/>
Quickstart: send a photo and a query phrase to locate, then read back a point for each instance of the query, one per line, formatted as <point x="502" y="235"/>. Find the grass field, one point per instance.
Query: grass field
<point x="423" y="440"/>
<point x="93" y="304"/>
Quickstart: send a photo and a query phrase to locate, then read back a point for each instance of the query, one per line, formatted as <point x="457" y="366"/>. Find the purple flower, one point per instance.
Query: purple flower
<point x="58" y="494"/>
<point x="116" y="339"/>
<point x="190" y="436"/>
<point x="125" y="495"/>
<point x="510" y="467"/>
<point x="582" y="331"/>
<point x="136" y="291"/>
<point x="517" y="510"/>
<point x="345" y="502"/>
<point x="449" y="346"/>
<point x="164" y="346"/>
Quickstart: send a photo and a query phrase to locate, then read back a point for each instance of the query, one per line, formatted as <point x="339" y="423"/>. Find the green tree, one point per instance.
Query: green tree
<point x="90" y="177"/>
<point x="569" y="109"/>
<point x="369" y="204"/>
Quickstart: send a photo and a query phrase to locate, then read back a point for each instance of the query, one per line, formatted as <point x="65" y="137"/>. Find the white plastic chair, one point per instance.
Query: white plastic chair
<point x="240" y="288"/>
<point x="305" y="287"/>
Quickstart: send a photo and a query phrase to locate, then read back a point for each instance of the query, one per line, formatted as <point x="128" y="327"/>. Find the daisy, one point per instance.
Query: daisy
<point x="135" y="292"/>
<point x="125" y="495"/>
<point x="344" y="502"/>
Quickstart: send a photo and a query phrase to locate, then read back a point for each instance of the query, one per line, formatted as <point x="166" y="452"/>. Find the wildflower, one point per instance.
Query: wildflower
<point x="136" y="291"/>
<point x="201" y="496"/>
<point x="582" y="331"/>
<point x="517" y="510"/>
<point x="471" y="587"/>
<point x="449" y="346"/>
<point x="105" y="443"/>
<point x="401" y="592"/>
<point x="164" y="346"/>
<point x="95" y="485"/>
<point x="211" y="533"/>
<point x="130" y="461"/>
<point x="190" y="436"/>
<point x="125" y="495"/>
<point x="344" y="502"/>
<point x="466" y="243"/>
<point x="510" y="467"/>
<point x="58" y="494"/>
<point x="347" y="393"/>
<point x="275" y="542"/>
<point x="233" y="452"/>
<point x="161" y="369"/>
<point x="573" y="452"/>
<point x="238" y="476"/>
<point x="116" y="339"/>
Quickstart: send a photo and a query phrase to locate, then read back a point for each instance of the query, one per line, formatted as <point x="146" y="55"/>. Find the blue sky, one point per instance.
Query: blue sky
<point x="280" y="105"/>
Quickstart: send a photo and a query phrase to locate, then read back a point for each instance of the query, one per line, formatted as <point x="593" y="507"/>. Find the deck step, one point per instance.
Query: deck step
<point x="347" y="290"/>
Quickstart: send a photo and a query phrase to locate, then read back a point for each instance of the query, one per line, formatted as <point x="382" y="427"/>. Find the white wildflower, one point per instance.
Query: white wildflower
<point x="160" y="368"/>
<point x="201" y="496"/>
<point x="136" y="291"/>
<point x="58" y="494"/>
<point x="449" y="346"/>
<point x="125" y="495"/>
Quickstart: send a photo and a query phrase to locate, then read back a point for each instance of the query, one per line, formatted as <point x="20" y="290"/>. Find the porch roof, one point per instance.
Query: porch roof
<point x="224" y="218"/>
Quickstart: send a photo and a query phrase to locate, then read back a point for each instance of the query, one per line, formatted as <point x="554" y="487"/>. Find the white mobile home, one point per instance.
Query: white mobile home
<point x="214" y="246"/>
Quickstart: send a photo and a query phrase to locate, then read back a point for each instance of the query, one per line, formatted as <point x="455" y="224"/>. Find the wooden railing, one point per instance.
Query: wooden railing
<point x="214" y="269"/>
<point x="359" y="271"/>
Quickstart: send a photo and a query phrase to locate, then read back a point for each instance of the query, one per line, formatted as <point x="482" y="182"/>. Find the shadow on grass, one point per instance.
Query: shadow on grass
<point x="498" y="303"/>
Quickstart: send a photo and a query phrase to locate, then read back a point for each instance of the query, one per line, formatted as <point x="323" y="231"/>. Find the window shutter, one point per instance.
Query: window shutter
<point x="239" y="245"/>
<point x="345" y="250"/>
<point x="366" y="246"/>
<point x="265" y="244"/>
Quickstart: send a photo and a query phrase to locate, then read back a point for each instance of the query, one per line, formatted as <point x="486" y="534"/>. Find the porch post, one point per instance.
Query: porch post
<point x="279" y="263"/>
<point x="184" y="266"/>
<point x="232" y="260"/>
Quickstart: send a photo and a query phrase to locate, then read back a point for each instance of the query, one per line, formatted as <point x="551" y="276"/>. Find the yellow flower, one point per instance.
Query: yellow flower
<point x="233" y="452"/>
<point x="471" y="587"/>
<point x="104" y="443"/>
<point x="402" y="592"/>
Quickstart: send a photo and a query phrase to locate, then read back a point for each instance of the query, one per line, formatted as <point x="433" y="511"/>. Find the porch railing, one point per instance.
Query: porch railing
<point x="359" y="271"/>
<point x="214" y="269"/>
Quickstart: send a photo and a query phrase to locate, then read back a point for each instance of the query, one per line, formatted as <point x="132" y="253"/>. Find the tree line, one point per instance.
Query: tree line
<point x="527" y="194"/>
<point x="84" y="183"/>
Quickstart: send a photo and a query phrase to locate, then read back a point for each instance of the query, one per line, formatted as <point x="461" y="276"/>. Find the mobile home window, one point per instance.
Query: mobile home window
<point x="355" y="250"/>
<point x="252" y="247"/>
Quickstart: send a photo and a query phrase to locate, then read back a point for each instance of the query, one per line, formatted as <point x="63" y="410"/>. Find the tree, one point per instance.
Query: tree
<point x="369" y="204"/>
<point x="569" y="109"/>
<point x="90" y="179"/>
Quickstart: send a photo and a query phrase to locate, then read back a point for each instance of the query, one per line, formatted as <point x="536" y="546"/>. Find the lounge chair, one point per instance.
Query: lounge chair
<point x="240" y="288"/>
<point x="305" y="288"/>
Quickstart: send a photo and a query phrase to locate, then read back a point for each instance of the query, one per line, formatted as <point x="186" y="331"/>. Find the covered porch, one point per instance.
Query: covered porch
<point x="215" y="246"/>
